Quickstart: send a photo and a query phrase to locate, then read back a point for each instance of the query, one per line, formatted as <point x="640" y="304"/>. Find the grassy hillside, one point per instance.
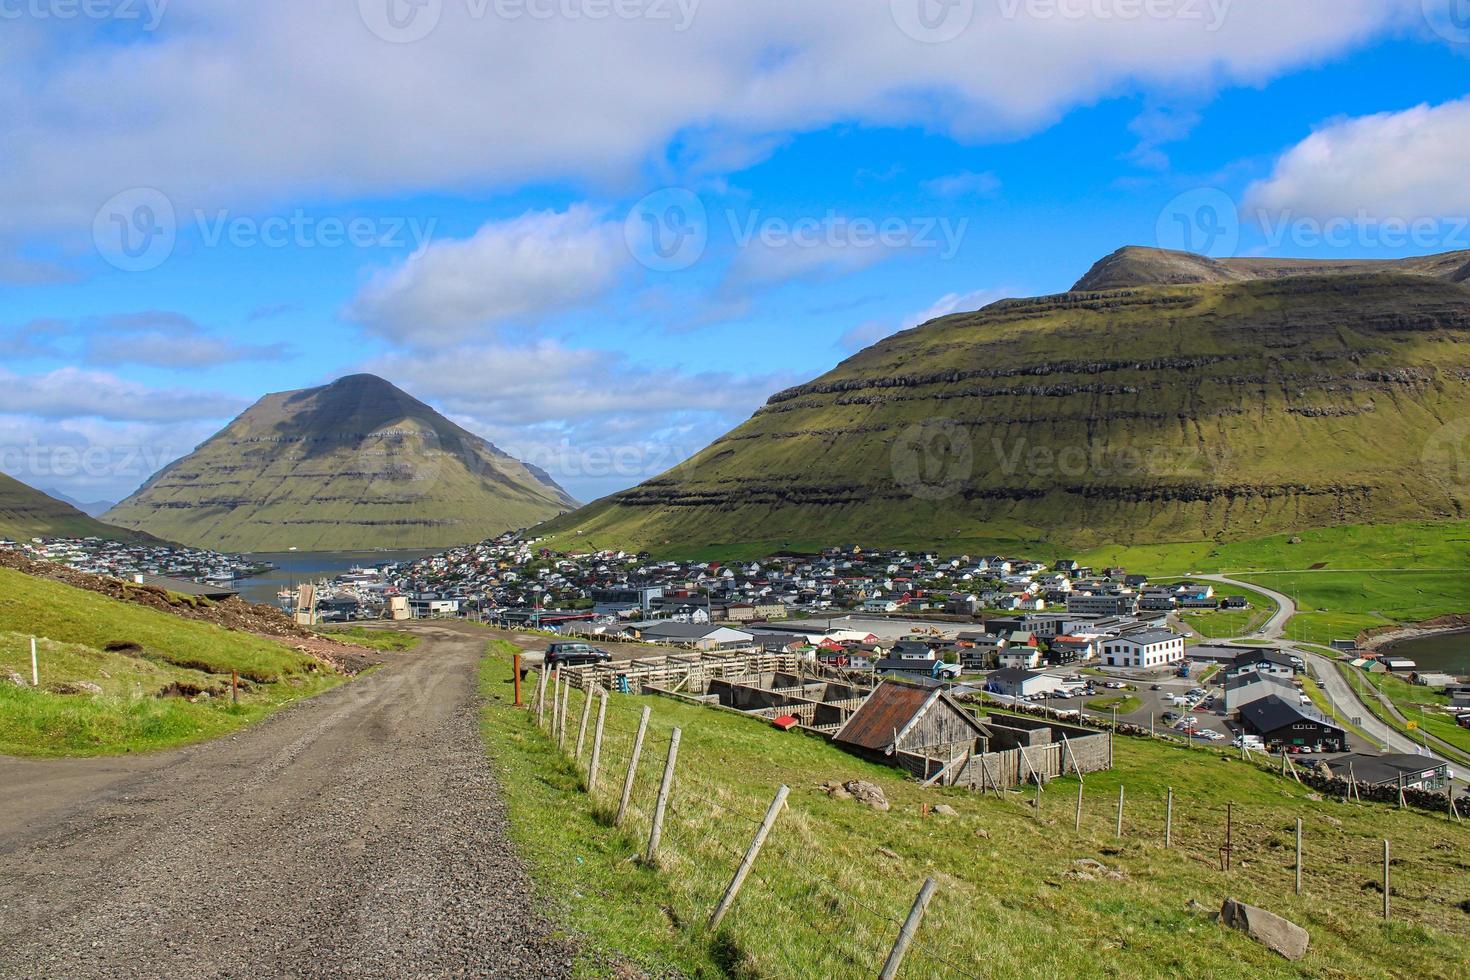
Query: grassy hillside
<point x="1188" y="413"/>
<point x="836" y="878"/>
<point x="357" y="464"/>
<point x="133" y="655"/>
<point x="28" y="513"/>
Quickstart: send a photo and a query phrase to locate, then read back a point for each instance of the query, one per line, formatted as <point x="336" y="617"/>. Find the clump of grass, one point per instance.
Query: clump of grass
<point x="836" y="877"/>
<point x="378" y="639"/>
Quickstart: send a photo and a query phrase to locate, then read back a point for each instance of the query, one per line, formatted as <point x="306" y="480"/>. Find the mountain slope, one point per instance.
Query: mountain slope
<point x="1239" y="399"/>
<point x="26" y="512"/>
<point x="355" y="464"/>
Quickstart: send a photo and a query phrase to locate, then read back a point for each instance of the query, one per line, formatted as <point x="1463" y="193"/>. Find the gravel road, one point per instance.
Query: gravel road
<point x="360" y="834"/>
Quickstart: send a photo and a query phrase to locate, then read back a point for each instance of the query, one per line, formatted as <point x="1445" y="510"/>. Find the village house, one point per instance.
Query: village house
<point x="1144" y="648"/>
<point x="1280" y="723"/>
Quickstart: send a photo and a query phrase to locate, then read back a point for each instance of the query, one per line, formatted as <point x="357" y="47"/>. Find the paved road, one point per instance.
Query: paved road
<point x="1341" y="694"/>
<point x="359" y="834"/>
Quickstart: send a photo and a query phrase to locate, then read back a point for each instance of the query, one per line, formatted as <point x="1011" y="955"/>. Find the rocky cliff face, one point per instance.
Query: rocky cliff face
<point x="351" y="465"/>
<point x="1168" y="397"/>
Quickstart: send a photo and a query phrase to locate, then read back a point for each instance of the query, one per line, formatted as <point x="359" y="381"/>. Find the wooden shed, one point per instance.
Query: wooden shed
<point x="911" y="719"/>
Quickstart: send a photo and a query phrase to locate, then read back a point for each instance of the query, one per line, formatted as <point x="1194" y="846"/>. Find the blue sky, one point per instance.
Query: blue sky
<point x="200" y="204"/>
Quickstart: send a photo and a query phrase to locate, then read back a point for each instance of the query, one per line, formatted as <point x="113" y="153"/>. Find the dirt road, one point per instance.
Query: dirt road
<point x="358" y="834"/>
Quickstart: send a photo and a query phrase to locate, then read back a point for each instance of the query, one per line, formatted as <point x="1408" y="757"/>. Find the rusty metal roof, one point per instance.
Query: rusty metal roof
<point x="887" y="710"/>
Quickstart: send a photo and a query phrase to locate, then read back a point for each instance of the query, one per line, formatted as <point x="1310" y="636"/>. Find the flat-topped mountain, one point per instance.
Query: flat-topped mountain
<point x="26" y="513"/>
<point x="355" y="464"/>
<point x="1169" y="397"/>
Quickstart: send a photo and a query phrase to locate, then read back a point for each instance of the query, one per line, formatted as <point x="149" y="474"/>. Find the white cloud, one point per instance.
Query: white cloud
<point x="233" y="105"/>
<point x="595" y="420"/>
<point x="869" y="333"/>
<point x="90" y="459"/>
<point x="162" y="338"/>
<point x="1406" y="165"/>
<point x="539" y="263"/>
<point x="70" y="392"/>
<point x="964" y="184"/>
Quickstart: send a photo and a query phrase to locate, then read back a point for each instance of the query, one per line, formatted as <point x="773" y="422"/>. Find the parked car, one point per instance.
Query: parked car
<point x="575" y="655"/>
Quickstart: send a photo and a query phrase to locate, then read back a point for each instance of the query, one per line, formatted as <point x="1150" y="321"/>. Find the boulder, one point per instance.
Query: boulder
<point x="835" y="791"/>
<point x="945" y="810"/>
<point x="12" y="677"/>
<point x="866" y="793"/>
<point x="1267" y="928"/>
<point x="75" y="687"/>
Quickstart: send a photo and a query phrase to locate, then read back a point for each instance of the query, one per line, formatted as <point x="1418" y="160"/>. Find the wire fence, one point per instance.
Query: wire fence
<point x="854" y="923"/>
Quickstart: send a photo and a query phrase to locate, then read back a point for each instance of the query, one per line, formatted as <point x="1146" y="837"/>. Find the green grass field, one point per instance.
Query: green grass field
<point x="1339" y="605"/>
<point x="150" y="651"/>
<point x="1417" y="704"/>
<point x="836" y="878"/>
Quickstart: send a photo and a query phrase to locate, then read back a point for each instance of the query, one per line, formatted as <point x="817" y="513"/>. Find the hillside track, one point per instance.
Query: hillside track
<point x="358" y="834"/>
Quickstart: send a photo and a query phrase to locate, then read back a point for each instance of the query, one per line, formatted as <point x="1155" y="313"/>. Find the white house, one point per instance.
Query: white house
<point x="1145" y="648"/>
<point x="880" y="605"/>
<point x="1019" y="658"/>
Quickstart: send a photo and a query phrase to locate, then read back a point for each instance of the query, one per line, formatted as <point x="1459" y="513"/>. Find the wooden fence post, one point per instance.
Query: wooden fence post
<point x="582" y="729"/>
<point x="1169" y="820"/>
<point x="909" y="930"/>
<point x="1120" y="811"/>
<point x="664" y="787"/>
<point x="597" y="744"/>
<point x="541" y="696"/>
<point x="1298" y="855"/>
<point x="561" y="716"/>
<point x="555" y="697"/>
<point x="1385" y="880"/>
<point x="632" y="767"/>
<point x="747" y="862"/>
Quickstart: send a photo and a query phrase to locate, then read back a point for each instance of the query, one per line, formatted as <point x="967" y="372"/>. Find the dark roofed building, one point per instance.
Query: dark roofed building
<point x="1422" y="772"/>
<point x="1279" y="723"/>
<point x="215" y="593"/>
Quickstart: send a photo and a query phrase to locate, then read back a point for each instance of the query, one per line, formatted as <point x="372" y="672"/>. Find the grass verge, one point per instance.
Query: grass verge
<point x="117" y="677"/>
<point x="392" y="640"/>
<point x="836" y="878"/>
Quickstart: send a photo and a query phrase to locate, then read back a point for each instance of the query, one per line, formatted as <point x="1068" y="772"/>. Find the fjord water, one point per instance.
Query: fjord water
<point x="295" y="567"/>
<point x="1448" y="652"/>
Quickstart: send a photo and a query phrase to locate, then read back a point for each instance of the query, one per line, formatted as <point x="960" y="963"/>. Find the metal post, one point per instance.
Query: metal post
<point x="1385" y="880"/>
<point x="597" y="744"/>
<point x="747" y="862"/>
<point x="657" y="830"/>
<point x="632" y="767"/>
<point x="1120" y="811"/>
<point x="1298" y="855"/>
<point x="1077" y="828"/>
<point x="1169" y="820"/>
<point x="35" y="665"/>
<point x="909" y="930"/>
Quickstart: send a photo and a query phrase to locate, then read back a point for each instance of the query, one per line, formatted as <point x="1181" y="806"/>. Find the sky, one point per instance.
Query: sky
<point x="600" y="233"/>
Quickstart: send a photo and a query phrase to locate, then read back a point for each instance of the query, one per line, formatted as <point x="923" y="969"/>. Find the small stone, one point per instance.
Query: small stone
<point x="982" y="833"/>
<point x="945" y="810"/>
<point x="887" y="853"/>
<point x="75" y="687"/>
<point x="866" y="793"/>
<point x="14" y="678"/>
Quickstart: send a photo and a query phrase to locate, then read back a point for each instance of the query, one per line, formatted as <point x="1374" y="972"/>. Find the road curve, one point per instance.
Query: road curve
<point x="359" y="834"/>
<point x="1340" y="694"/>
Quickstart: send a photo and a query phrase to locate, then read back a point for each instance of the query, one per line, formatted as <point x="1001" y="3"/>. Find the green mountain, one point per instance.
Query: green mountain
<point x="356" y="464"/>
<point x="1167" y="397"/>
<point x="26" y="512"/>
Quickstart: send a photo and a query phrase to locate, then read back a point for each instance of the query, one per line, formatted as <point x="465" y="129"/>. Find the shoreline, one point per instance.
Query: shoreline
<point x="1385" y="641"/>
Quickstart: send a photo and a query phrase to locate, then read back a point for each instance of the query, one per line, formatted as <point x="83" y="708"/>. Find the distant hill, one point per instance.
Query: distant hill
<point x="26" y="512"/>
<point x="1168" y="397"/>
<point x="356" y="464"/>
<point x="92" y="508"/>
